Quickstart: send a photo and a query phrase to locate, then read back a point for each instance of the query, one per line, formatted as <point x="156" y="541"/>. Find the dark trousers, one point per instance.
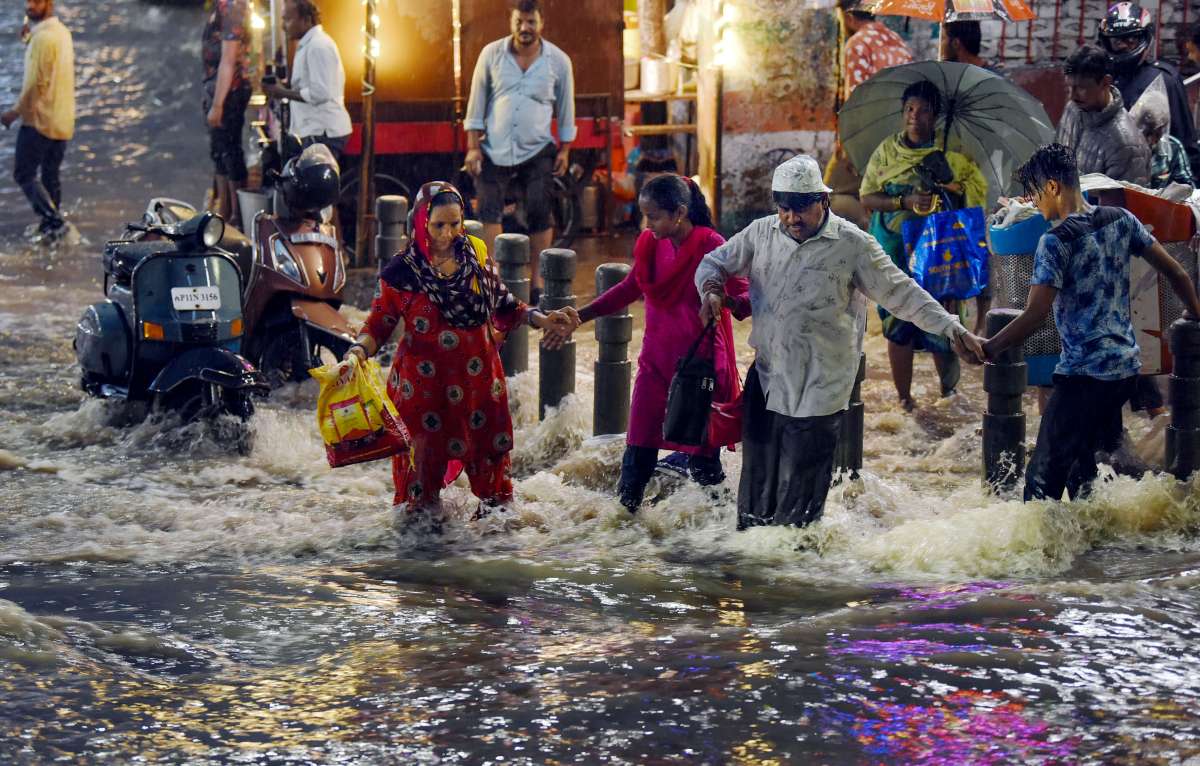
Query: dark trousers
<point x="1146" y="395"/>
<point x="225" y="142"/>
<point x="1083" y="417"/>
<point x="638" y="464"/>
<point x="36" y="155"/>
<point x="787" y="463"/>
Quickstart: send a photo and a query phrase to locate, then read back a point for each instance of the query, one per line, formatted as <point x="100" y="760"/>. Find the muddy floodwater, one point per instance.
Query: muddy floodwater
<point x="163" y="600"/>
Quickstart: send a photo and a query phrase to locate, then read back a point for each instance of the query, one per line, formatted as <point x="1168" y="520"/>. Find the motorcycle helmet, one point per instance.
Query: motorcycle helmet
<point x="310" y="182"/>
<point x="1124" y="21"/>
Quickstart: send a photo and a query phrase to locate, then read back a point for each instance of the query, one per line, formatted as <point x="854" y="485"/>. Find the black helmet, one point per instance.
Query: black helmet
<point x="1126" y="20"/>
<point x="310" y="182"/>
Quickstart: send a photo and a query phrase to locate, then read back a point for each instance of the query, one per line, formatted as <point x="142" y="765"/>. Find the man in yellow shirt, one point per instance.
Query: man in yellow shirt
<point x="46" y="109"/>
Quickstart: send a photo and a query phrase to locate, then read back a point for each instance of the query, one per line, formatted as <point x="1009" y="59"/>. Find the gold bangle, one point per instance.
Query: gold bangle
<point x="899" y="202"/>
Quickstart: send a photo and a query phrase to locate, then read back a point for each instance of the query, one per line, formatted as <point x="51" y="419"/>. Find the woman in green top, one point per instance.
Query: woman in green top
<point x="892" y="191"/>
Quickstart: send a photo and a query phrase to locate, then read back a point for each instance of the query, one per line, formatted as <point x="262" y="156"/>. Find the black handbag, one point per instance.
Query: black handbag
<point x="689" y="399"/>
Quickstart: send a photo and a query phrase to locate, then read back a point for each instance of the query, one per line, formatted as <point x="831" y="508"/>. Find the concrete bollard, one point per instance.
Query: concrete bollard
<point x="473" y="228"/>
<point x="1004" y="421"/>
<point x="1183" y="435"/>
<point x="556" y="373"/>
<point x="849" y="455"/>
<point x="512" y="254"/>
<point x="610" y="407"/>
<point x="391" y="216"/>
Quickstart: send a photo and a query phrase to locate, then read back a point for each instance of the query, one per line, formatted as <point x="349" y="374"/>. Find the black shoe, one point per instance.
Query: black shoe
<point x="49" y="235"/>
<point x="631" y="498"/>
<point x="706" y="471"/>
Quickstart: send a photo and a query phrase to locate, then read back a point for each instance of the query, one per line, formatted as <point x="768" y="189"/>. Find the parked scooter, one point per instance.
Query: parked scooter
<point x="171" y="328"/>
<point x="299" y="275"/>
<point x="293" y="266"/>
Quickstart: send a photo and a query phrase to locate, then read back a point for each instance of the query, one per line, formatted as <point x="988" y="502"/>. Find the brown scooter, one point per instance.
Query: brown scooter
<point x="291" y="306"/>
<point x="292" y="269"/>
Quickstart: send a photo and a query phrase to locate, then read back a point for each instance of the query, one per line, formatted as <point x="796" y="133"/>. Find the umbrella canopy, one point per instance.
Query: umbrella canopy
<point x="992" y="121"/>
<point x="951" y="10"/>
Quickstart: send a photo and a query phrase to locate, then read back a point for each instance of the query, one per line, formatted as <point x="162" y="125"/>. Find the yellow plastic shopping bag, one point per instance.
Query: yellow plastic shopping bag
<point x="358" y="421"/>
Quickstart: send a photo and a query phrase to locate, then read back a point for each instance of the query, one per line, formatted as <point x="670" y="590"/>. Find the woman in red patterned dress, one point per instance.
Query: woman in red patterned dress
<point x="447" y="380"/>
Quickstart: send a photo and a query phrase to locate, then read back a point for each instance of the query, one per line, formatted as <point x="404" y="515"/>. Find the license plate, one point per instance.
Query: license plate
<point x="196" y="298"/>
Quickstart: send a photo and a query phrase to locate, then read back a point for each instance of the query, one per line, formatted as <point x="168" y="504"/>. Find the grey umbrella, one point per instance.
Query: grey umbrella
<point x="986" y="117"/>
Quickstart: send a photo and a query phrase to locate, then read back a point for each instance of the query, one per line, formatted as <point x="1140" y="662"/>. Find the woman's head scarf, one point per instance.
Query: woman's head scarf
<point x="468" y="297"/>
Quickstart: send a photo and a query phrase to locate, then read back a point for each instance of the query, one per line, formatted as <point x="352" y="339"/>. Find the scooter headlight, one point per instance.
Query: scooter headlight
<point x="201" y="231"/>
<point x="285" y="262"/>
<point x="213" y="231"/>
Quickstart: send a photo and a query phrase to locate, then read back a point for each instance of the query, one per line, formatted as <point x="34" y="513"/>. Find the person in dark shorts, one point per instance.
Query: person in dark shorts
<point x="520" y="85"/>
<point x="226" y="95"/>
<point x="1081" y="270"/>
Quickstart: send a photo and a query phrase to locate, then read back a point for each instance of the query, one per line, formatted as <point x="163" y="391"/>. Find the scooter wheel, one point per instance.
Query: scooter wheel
<point x="286" y="357"/>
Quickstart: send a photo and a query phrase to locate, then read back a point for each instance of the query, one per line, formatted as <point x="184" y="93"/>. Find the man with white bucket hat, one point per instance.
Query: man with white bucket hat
<point x="809" y="270"/>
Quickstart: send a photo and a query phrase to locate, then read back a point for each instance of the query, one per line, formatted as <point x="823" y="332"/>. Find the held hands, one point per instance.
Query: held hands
<point x="969" y="347"/>
<point x="557" y="326"/>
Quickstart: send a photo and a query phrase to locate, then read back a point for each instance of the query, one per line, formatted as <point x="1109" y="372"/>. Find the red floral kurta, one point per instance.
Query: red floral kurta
<point x="448" y="385"/>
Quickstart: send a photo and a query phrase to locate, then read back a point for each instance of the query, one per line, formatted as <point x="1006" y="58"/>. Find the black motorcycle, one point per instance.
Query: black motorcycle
<point x="169" y="333"/>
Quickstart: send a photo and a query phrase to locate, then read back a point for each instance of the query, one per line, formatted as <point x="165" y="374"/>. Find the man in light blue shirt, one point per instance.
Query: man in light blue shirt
<point x="521" y="83"/>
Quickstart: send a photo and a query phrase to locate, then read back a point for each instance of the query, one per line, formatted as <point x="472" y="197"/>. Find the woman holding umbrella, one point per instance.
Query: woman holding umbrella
<point x="894" y="192"/>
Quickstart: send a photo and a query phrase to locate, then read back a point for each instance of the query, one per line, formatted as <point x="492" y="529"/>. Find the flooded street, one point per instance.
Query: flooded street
<point x="163" y="600"/>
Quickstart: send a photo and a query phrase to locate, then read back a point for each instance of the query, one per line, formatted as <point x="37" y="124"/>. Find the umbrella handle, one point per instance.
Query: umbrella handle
<point x="933" y="206"/>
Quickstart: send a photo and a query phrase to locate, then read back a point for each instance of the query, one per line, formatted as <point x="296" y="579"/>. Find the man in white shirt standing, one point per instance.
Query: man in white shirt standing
<point x="317" y="90"/>
<point x="807" y="268"/>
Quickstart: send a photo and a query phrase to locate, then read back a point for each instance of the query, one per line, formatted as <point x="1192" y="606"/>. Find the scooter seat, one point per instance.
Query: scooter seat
<point x="122" y="257"/>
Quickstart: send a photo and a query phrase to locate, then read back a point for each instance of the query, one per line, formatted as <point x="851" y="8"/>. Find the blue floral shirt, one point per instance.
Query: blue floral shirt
<point x="1086" y="258"/>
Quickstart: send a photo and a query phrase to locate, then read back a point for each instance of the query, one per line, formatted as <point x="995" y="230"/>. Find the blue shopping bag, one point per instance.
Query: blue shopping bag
<point x="948" y="253"/>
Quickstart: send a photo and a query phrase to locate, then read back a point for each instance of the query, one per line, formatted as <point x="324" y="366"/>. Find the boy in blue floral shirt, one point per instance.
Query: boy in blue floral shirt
<point x="1081" y="269"/>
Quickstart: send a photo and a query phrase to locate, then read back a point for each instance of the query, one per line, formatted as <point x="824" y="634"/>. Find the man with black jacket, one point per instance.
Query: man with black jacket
<point x="1127" y="34"/>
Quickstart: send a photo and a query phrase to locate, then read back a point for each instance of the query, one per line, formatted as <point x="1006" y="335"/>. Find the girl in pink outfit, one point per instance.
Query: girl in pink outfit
<point x="679" y="233"/>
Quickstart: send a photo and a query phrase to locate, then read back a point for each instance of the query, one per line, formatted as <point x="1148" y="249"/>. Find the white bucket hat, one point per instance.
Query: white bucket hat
<point x="801" y="175"/>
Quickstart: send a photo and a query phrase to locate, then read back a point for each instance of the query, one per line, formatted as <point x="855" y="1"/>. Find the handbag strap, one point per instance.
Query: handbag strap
<point x="709" y="332"/>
